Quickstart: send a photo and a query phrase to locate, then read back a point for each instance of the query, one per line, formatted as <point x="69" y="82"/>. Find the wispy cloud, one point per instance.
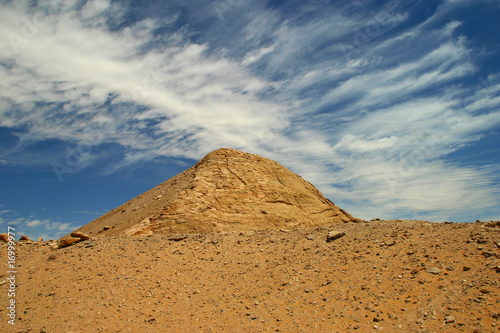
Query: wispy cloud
<point x="328" y="97"/>
<point x="34" y="228"/>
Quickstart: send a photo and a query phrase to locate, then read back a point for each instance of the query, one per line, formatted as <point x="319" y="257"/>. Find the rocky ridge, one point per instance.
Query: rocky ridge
<point x="227" y="190"/>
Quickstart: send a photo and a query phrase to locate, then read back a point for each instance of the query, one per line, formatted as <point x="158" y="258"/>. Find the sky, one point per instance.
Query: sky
<point x="390" y="108"/>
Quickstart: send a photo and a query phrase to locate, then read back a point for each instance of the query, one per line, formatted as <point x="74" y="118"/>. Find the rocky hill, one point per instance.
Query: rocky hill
<point x="238" y="243"/>
<point x="228" y="190"/>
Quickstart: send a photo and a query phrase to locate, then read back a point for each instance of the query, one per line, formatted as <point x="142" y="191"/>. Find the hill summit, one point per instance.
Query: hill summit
<point x="227" y="190"/>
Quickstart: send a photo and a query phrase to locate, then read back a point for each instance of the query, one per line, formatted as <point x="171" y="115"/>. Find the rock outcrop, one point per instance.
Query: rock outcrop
<point x="228" y="190"/>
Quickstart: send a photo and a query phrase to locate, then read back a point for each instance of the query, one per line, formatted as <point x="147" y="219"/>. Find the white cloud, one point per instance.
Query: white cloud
<point x="69" y="62"/>
<point x="34" y="228"/>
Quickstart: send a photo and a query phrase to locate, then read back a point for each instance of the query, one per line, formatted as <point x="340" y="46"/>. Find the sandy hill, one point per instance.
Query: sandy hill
<point x="228" y="190"/>
<point x="388" y="276"/>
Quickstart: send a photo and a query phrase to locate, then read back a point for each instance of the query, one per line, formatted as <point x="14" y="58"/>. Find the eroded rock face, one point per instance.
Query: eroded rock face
<point x="228" y="190"/>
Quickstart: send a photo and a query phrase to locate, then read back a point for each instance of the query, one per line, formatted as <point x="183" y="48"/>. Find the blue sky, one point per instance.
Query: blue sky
<point x="391" y="108"/>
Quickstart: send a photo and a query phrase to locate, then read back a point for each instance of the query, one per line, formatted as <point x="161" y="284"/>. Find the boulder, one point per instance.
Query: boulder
<point x="333" y="235"/>
<point x="80" y="235"/>
<point x="67" y="241"/>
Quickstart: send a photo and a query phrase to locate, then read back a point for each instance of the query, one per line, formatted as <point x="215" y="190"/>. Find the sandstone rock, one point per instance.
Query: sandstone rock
<point x="449" y="319"/>
<point x="4" y="237"/>
<point x="333" y="235"/>
<point x="433" y="270"/>
<point x="40" y="239"/>
<point x="67" y="241"/>
<point x="24" y="238"/>
<point x="80" y="235"/>
<point x="228" y="190"/>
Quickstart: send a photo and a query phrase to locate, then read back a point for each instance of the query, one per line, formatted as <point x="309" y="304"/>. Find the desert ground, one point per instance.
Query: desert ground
<point x="390" y="276"/>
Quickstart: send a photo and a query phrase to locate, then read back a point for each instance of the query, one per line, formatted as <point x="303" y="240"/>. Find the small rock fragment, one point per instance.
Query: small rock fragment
<point x="310" y="237"/>
<point x="24" y="238"/>
<point x="178" y="238"/>
<point x="484" y="291"/>
<point x="433" y="270"/>
<point x="449" y="319"/>
<point x="333" y="235"/>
